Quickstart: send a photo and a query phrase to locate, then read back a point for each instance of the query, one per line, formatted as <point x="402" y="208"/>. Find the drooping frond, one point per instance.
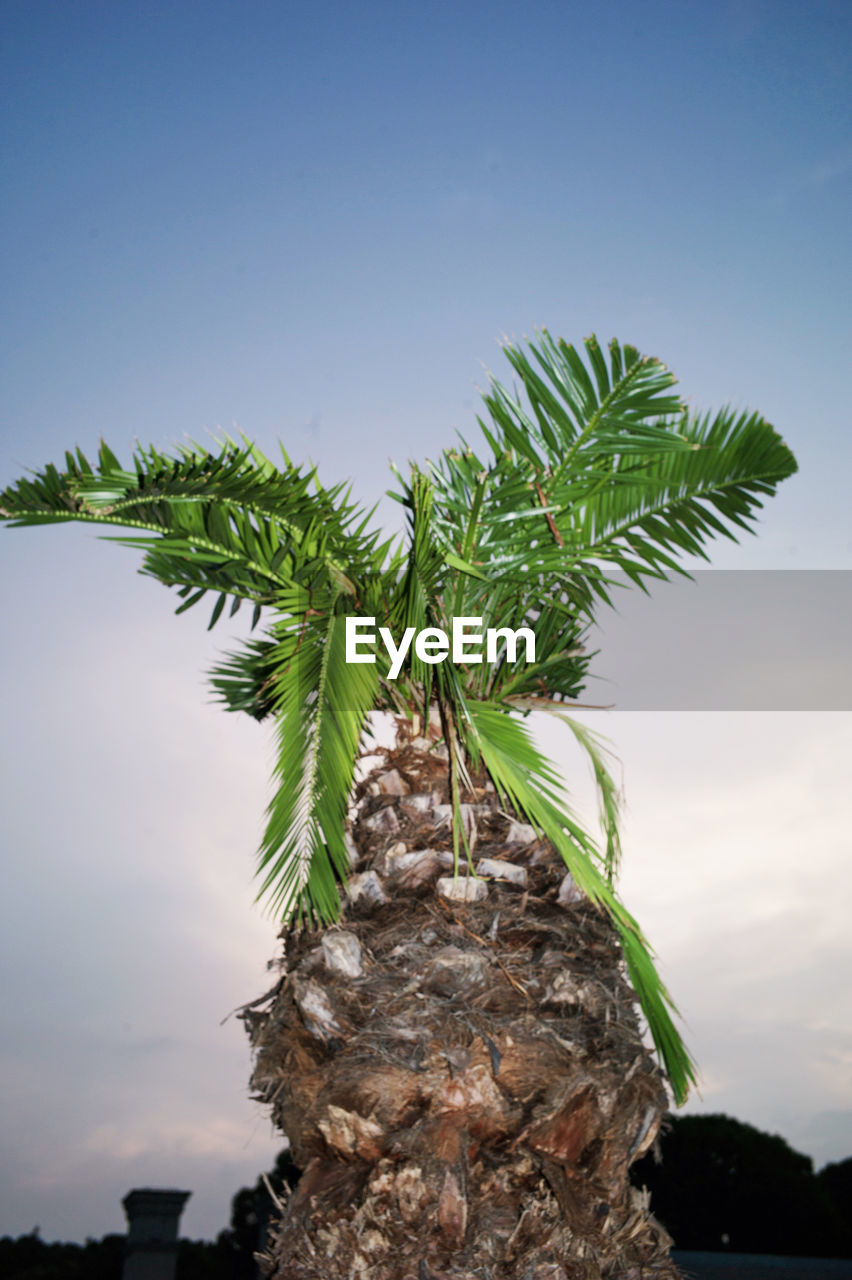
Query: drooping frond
<point x="607" y="790"/>
<point x="235" y="524"/>
<point x="245" y="679"/>
<point x="501" y="740"/>
<point x="230" y="523"/>
<point x="321" y="707"/>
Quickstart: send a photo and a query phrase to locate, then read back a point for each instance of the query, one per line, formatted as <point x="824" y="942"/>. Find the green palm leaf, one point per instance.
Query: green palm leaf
<point x="321" y="707"/>
<point x="529" y="782"/>
<point x="573" y="406"/>
<point x="603" y="470"/>
<point x="617" y="471"/>
<point x="230" y="522"/>
<point x="245" y="680"/>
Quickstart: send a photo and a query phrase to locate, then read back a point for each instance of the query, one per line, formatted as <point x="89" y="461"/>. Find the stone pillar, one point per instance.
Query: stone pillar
<point x="152" y="1233"/>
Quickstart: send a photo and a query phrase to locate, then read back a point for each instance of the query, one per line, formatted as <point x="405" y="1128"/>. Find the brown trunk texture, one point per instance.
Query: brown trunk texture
<point x="463" y="1083"/>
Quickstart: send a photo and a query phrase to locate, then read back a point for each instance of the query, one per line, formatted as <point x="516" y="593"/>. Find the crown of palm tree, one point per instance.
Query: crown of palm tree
<point x="592" y="466"/>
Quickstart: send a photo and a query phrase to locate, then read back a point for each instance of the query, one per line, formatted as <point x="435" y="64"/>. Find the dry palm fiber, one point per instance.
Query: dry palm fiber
<point x="464" y="1084"/>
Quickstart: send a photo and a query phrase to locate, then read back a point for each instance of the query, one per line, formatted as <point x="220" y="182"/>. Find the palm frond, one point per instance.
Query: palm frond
<point x="230" y="523"/>
<point x="529" y="782"/>
<point x="660" y="506"/>
<point x="609" y="794"/>
<point x="573" y="405"/>
<point x="245" y="679"/>
<point x="601" y="470"/>
<point x="622" y="473"/>
<point x="321" y="707"/>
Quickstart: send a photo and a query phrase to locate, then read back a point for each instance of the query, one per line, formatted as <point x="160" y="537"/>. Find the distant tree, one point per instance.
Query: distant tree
<point x="251" y="1209"/>
<point x="836" y="1183"/>
<point x="31" y="1258"/>
<point x="721" y="1184"/>
<point x="17" y="1256"/>
<point x="103" y="1259"/>
<point x="201" y="1260"/>
<point x="230" y="1257"/>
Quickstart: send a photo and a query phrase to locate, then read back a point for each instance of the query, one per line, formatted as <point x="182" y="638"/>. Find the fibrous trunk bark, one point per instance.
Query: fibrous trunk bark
<point x="462" y="1082"/>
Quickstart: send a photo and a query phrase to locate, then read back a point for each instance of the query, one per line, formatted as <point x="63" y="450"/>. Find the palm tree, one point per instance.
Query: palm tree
<point x="452" y="1048"/>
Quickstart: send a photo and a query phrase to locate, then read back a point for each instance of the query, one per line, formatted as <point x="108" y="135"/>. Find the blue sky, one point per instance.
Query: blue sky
<point x="315" y="225"/>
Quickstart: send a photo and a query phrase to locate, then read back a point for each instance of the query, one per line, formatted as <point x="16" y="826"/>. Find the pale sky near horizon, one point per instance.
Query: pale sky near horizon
<point x="314" y="225"/>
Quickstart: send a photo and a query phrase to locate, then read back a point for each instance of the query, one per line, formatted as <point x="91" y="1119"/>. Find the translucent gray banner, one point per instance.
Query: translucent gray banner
<point x="729" y="640"/>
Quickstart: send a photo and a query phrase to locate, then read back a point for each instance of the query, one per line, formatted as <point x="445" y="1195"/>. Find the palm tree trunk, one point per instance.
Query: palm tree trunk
<point x="463" y="1083"/>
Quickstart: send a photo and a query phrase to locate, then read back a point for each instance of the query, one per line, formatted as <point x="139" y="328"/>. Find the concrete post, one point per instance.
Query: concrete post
<point x="152" y="1233"/>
